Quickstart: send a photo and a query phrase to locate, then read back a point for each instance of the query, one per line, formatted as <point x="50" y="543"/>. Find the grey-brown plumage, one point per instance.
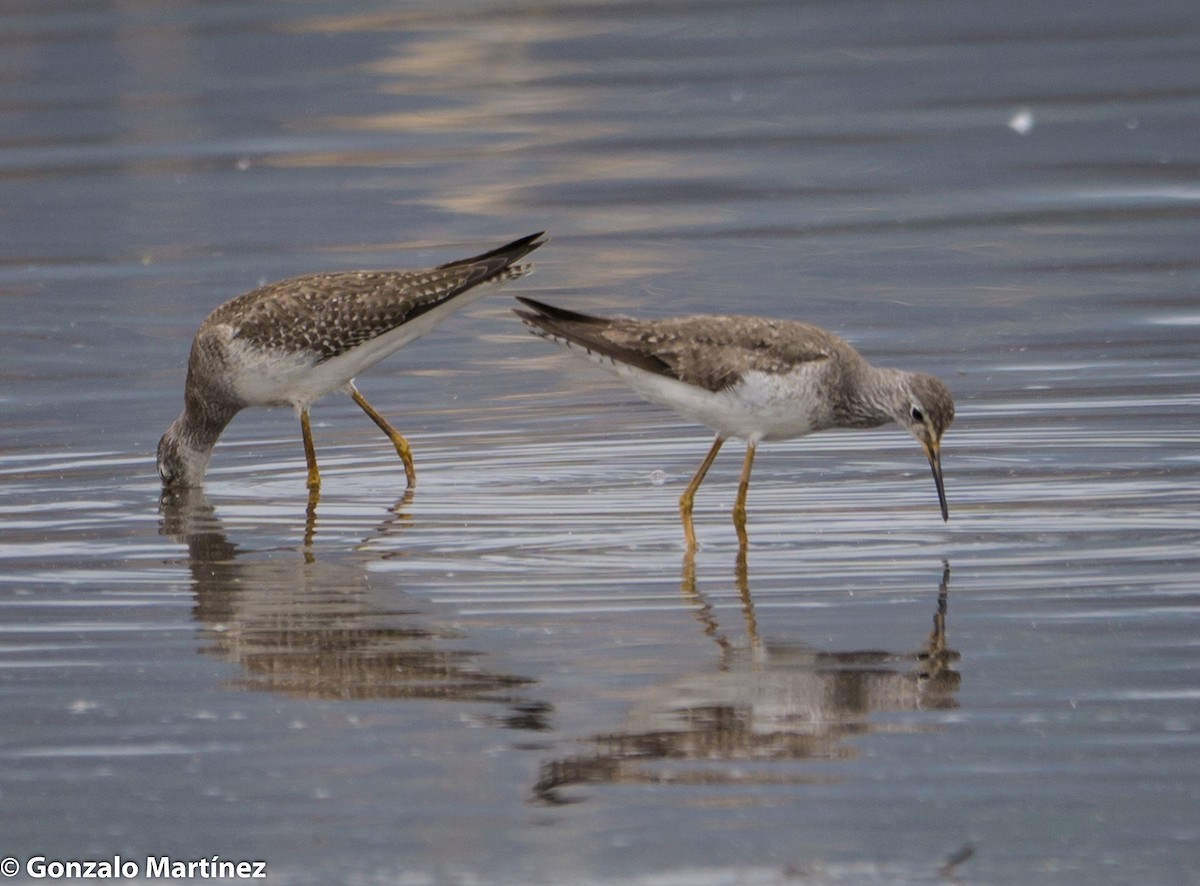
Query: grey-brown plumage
<point x="711" y="352"/>
<point x="292" y="342"/>
<point x="329" y="314"/>
<point x="753" y="378"/>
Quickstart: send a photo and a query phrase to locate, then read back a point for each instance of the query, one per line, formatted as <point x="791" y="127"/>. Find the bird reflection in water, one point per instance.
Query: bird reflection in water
<point x="398" y="518"/>
<point x="312" y="627"/>
<point x="763" y="703"/>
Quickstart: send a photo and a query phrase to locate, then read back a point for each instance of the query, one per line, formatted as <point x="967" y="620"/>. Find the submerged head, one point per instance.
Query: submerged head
<point x="926" y="411"/>
<point x="181" y="464"/>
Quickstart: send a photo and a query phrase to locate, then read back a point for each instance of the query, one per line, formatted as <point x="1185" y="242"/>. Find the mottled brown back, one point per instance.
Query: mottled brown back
<point x="712" y="352"/>
<point x="328" y="314"/>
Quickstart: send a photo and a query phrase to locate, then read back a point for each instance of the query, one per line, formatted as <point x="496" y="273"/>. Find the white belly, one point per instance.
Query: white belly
<point x="761" y="406"/>
<point x="276" y="378"/>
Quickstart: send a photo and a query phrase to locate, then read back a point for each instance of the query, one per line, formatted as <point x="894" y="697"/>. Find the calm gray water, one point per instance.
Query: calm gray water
<point x="514" y="675"/>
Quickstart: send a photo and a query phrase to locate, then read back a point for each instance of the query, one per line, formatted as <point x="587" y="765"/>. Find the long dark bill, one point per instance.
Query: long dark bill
<point x="934" y="452"/>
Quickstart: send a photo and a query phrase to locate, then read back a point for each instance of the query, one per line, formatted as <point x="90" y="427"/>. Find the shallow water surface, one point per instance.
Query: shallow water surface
<point x="513" y="673"/>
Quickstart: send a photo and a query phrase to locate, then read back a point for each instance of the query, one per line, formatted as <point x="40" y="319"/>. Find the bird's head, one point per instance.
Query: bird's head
<point x="180" y="465"/>
<point x="926" y="410"/>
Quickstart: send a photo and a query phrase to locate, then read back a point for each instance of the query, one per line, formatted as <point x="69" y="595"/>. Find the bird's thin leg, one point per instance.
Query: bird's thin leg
<point x="739" y="506"/>
<point x="310" y="453"/>
<point x="689" y="494"/>
<point x="402" y="447"/>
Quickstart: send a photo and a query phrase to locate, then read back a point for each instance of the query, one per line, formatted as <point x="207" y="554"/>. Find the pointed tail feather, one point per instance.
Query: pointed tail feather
<point x="502" y="257"/>
<point x="550" y="312"/>
<point x="570" y="328"/>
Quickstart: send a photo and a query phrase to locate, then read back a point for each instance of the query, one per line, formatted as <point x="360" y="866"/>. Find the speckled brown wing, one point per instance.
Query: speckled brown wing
<point x="711" y="352"/>
<point x="331" y="313"/>
<point x="714" y="352"/>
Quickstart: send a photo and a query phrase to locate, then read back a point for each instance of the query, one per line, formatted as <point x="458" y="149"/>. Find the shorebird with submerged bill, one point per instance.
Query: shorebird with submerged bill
<point x="754" y="379"/>
<point x="292" y="342"/>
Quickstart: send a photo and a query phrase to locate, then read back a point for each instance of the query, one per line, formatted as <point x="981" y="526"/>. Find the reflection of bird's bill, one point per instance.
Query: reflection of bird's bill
<point x="933" y="451"/>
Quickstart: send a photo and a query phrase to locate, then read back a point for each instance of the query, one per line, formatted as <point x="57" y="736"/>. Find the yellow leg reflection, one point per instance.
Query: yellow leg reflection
<point x="398" y="519"/>
<point x="689" y="495"/>
<point x="402" y="447"/>
<point x="705" y="611"/>
<point x="741" y="575"/>
<point x="310" y="523"/>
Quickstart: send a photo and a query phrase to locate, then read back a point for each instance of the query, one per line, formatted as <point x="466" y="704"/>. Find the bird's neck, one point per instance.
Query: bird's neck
<point x="195" y="433"/>
<point x="203" y="419"/>
<point x="879" y="393"/>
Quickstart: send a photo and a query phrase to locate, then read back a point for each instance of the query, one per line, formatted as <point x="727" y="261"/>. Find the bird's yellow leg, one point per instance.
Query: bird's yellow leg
<point x="402" y="447"/>
<point x="310" y="453"/>
<point x="689" y="495"/>
<point x="739" y="506"/>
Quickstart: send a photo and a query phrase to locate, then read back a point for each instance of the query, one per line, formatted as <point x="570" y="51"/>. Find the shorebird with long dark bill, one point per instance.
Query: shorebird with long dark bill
<point x="753" y="379"/>
<point x="292" y="342"/>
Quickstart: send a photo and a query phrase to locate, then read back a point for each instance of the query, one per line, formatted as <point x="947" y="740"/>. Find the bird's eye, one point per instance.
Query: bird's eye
<point x="917" y="415"/>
